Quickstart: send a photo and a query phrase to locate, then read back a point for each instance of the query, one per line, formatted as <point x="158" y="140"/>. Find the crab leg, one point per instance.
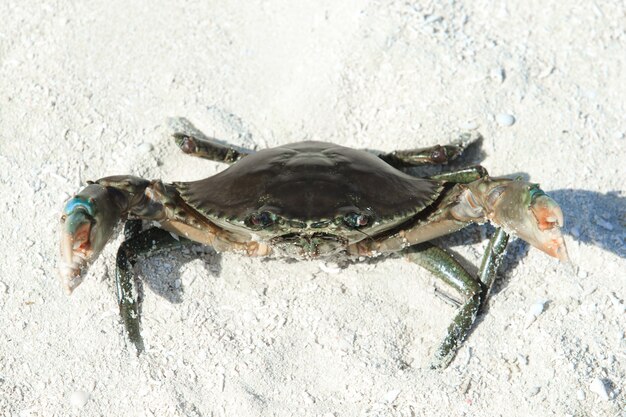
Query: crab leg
<point x="193" y="142"/>
<point x="462" y="176"/>
<point x="515" y="206"/>
<point x="493" y="258"/>
<point x="519" y="207"/>
<point x="91" y="216"/>
<point x="437" y="154"/>
<point x="443" y="266"/>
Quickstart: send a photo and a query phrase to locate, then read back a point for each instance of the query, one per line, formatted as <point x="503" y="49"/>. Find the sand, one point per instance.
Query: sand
<point x="85" y="89"/>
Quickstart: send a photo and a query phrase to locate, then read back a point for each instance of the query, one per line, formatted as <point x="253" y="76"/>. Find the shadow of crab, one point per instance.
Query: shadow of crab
<point x="163" y="273"/>
<point x="597" y="219"/>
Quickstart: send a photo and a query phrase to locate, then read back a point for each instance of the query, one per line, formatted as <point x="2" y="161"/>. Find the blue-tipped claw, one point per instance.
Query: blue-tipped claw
<point x="87" y="222"/>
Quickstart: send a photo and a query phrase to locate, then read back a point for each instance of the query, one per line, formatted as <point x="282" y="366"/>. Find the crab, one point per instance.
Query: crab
<point x="311" y="200"/>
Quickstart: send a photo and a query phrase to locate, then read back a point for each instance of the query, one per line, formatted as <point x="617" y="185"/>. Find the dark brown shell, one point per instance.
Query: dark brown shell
<point x="309" y="181"/>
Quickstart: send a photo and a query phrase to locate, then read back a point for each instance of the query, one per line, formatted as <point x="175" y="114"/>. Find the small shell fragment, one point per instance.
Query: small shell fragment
<point x="78" y="399"/>
<point x="598" y="387"/>
<point x="533" y="312"/>
<point x="497" y="74"/>
<point x="504" y="119"/>
<point x="144" y="147"/>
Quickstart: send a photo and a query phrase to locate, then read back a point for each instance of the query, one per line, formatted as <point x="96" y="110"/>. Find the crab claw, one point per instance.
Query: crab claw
<point x="87" y="223"/>
<point x="525" y="210"/>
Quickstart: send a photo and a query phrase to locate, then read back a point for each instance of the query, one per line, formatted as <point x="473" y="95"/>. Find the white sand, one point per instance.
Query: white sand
<point x="85" y="88"/>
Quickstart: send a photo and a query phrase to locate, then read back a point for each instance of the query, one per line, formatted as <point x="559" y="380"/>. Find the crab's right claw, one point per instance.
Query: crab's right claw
<point x="87" y="222"/>
<point x="528" y="212"/>
<point x="549" y="222"/>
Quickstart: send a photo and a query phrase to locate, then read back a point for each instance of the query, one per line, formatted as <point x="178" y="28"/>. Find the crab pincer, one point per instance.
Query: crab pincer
<point x="522" y="209"/>
<point x="87" y="223"/>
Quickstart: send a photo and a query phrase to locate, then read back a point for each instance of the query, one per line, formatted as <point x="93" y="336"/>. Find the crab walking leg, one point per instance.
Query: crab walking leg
<point x="148" y="242"/>
<point x="132" y="228"/>
<point x="432" y="155"/>
<point x="492" y="259"/>
<point x="193" y="142"/>
<point x="462" y="176"/>
<point x="476" y="291"/>
<point x="446" y="268"/>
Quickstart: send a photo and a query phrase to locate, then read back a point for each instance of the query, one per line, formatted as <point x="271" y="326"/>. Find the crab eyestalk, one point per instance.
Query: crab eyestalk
<point x="523" y="209"/>
<point x="87" y="223"/>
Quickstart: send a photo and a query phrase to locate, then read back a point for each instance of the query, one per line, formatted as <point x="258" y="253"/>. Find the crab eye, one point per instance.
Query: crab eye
<point x="260" y="220"/>
<point x="356" y="220"/>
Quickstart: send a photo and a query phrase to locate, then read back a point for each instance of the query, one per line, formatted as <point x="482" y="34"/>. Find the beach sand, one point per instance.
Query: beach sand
<point x="85" y="90"/>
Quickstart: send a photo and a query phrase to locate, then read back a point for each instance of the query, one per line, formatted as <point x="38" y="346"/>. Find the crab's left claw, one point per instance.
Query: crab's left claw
<point x="525" y="210"/>
<point x="87" y="223"/>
